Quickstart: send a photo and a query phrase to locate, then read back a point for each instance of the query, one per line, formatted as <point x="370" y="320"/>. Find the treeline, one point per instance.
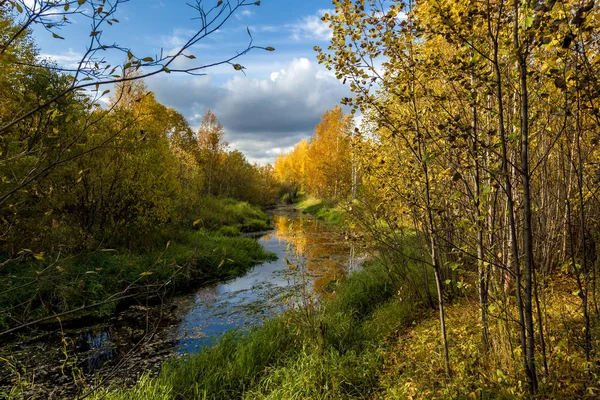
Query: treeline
<point x="481" y="135"/>
<point x="78" y="175"/>
<point x="322" y="165"/>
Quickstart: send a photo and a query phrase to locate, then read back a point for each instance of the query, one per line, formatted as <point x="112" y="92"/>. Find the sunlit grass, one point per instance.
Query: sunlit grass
<point x="333" y="351"/>
<point x="325" y="210"/>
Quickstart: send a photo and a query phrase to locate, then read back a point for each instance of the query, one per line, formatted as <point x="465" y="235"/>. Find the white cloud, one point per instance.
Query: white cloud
<point x="312" y="27"/>
<point x="69" y="59"/>
<point x="244" y="14"/>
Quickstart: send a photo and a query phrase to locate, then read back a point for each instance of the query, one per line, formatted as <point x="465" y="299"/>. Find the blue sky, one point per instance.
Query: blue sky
<point x="266" y="111"/>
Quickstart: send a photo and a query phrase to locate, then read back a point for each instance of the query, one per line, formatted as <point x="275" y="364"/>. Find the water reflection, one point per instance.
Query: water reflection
<point x="310" y="256"/>
<point x="323" y="253"/>
<point x="309" y="252"/>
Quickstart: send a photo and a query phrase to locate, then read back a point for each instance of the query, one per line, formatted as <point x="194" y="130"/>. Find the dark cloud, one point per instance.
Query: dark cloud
<point x="261" y="116"/>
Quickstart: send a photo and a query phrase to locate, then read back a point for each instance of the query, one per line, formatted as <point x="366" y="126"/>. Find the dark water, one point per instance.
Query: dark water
<point x="311" y="255"/>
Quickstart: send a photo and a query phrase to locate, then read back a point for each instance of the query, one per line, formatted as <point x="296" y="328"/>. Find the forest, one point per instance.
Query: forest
<point x="464" y="165"/>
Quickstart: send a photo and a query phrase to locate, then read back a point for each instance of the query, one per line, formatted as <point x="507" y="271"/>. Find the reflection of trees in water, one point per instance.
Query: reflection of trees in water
<point x="323" y="252"/>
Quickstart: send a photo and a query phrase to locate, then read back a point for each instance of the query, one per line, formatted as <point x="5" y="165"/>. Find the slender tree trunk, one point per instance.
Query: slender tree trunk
<point x="508" y="190"/>
<point x="527" y="208"/>
<point x="583" y="284"/>
<point x="481" y="273"/>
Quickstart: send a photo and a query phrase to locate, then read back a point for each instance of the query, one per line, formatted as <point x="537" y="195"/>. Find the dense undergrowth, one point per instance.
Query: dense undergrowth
<point x="213" y="249"/>
<point x="413" y="359"/>
<point x="376" y="339"/>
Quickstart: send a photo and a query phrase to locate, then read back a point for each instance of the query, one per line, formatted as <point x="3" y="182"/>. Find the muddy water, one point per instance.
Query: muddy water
<point x="311" y="255"/>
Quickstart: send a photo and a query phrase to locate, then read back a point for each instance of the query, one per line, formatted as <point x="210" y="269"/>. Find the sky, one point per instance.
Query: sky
<point x="265" y="111"/>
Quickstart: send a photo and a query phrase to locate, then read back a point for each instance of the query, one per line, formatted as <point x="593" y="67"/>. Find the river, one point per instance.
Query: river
<point x="311" y="256"/>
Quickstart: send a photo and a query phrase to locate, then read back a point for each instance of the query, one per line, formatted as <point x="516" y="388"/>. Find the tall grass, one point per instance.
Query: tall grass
<point x="214" y="213"/>
<point x="330" y="352"/>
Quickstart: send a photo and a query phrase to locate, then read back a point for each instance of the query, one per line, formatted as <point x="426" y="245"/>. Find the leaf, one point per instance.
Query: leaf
<point x="238" y="67"/>
<point x="221" y="263"/>
<point x="147" y="59"/>
<point x="269" y="48"/>
<point x="94" y="33"/>
<point x="167" y="70"/>
<point x="257" y="3"/>
<point x="529" y="21"/>
<point x="197" y="222"/>
<point x="106" y="92"/>
<point x="146" y="273"/>
<point x="191" y="56"/>
<point x="39" y="256"/>
<point x="219" y="3"/>
<point x="55" y="36"/>
<point x="80" y="2"/>
<point x="19" y="8"/>
<point x="67" y="6"/>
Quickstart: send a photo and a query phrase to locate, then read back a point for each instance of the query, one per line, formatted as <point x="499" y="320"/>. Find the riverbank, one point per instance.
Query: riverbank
<point x="368" y="342"/>
<point x="322" y="350"/>
<point x="312" y="258"/>
<point x="94" y="283"/>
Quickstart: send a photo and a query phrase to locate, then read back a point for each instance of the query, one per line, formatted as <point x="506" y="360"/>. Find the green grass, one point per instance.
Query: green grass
<point x="324" y="210"/>
<point x="36" y="288"/>
<point x="214" y="213"/>
<point x="331" y="351"/>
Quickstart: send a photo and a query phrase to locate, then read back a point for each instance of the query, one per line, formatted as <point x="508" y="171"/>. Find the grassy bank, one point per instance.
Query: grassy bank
<point x="329" y="351"/>
<point x="322" y="209"/>
<point x="210" y="249"/>
<point x="375" y="340"/>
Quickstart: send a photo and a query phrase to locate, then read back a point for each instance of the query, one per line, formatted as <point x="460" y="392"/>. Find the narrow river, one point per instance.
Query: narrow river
<point x="311" y="256"/>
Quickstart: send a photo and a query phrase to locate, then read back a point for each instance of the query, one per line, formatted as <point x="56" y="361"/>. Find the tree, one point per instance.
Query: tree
<point x="211" y="149"/>
<point x="483" y="172"/>
<point x="321" y="166"/>
<point x="329" y="170"/>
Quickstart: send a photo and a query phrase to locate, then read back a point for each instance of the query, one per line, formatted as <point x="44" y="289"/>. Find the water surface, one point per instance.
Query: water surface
<point x="311" y="257"/>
